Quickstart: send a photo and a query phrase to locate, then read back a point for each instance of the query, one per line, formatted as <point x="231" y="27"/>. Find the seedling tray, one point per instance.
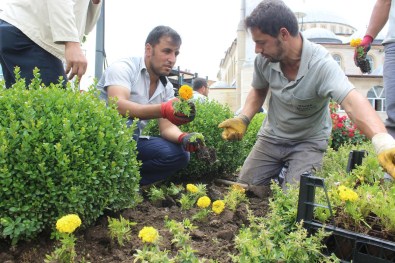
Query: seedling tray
<point x="348" y="246"/>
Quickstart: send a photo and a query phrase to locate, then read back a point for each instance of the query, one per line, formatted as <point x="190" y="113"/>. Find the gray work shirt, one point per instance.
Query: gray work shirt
<point x="299" y="109"/>
<point x="132" y="74"/>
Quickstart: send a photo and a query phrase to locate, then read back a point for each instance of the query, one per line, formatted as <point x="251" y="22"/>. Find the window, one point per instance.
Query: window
<point x="338" y="59"/>
<point x="371" y="62"/>
<point x="376" y="98"/>
<point x="1" y="74"/>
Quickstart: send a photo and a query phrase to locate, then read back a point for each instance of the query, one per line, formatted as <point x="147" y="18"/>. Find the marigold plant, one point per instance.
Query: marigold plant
<point x="192" y="188"/>
<point x="68" y="223"/>
<point x="204" y="202"/>
<point x="347" y="194"/>
<point x="182" y="105"/>
<point x="185" y="92"/>
<point x="355" y="43"/>
<point x="218" y="206"/>
<point x="149" y="234"/>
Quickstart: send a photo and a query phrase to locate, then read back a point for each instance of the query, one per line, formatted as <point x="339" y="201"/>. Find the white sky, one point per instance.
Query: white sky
<point x="207" y="27"/>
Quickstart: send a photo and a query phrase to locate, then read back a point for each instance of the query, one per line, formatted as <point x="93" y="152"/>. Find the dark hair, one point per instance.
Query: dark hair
<point x="160" y="31"/>
<point x="198" y="83"/>
<point x="272" y="15"/>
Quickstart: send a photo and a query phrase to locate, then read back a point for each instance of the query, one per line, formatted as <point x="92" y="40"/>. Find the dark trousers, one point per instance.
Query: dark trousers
<point x="160" y="159"/>
<point x="16" y="49"/>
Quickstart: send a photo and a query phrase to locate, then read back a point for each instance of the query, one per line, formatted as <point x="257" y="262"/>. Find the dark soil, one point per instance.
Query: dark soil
<point x="213" y="238"/>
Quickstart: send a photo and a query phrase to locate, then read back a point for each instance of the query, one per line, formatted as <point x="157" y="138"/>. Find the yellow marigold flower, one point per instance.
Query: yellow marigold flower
<point x="185" y="92"/>
<point x="68" y="223"/>
<point x="192" y="188"/>
<point x="204" y="202"/>
<point x="218" y="206"/>
<point x="149" y="234"/>
<point x="238" y="188"/>
<point x="347" y="194"/>
<point x="355" y="42"/>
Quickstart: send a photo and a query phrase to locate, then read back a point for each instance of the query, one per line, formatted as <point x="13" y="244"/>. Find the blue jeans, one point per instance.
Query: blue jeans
<point x="16" y="49"/>
<point x="160" y="159"/>
<point x="389" y="86"/>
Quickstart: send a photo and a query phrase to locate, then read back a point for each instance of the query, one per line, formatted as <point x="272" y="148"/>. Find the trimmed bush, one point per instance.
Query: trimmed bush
<point x="61" y="152"/>
<point x="230" y="154"/>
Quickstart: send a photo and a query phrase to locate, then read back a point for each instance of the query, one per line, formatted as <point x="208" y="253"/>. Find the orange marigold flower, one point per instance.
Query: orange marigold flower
<point x="185" y="92"/>
<point x="355" y="42"/>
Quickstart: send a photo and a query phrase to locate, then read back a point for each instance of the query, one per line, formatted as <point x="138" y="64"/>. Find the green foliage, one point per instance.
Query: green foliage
<point x="61" y="152"/>
<point x="230" y="154"/>
<point x="277" y="237"/>
<point x="120" y="229"/>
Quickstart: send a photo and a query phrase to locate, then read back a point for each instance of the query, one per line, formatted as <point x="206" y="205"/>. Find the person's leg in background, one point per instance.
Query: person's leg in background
<point x="160" y="159"/>
<point x="389" y="89"/>
<point x="16" y="49"/>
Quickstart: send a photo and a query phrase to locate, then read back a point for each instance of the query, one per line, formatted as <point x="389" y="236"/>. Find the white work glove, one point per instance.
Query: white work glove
<point x="384" y="145"/>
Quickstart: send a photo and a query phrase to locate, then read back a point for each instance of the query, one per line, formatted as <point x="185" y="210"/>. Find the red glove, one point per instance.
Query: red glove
<point x="365" y="44"/>
<point x="177" y="118"/>
<point x="190" y="141"/>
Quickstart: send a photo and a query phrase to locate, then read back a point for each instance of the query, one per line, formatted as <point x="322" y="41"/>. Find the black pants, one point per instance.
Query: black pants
<point x="16" y="49"/>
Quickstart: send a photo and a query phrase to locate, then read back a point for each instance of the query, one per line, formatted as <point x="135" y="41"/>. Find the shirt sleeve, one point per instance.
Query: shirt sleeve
<point x="62" y="20"/>
<point x="258" y="79"/>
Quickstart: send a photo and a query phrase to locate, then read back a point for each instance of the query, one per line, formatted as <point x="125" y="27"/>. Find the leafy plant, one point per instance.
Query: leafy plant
<point x="61" y="151"/>
<point x="120" y="229"/>
<point x="230" y="155"/>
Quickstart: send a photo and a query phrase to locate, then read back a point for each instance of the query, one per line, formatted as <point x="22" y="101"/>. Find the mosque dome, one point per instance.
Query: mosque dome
<point x="321" y="35"/>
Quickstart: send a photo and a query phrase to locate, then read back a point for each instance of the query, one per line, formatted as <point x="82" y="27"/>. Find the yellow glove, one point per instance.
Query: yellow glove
<point x="384" y="145"/>
<point x="235" y="128"/>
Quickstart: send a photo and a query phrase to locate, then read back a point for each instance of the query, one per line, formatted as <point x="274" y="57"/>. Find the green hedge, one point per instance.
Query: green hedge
<point x="61" y="152"/>
<point x="230" y="154"/>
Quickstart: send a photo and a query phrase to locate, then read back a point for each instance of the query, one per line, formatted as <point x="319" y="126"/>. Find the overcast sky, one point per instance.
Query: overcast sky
<point x="207" y="27"/>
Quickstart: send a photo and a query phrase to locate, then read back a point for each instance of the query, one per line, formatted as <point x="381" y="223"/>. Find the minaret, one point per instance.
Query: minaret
<point x="241" y="52"/>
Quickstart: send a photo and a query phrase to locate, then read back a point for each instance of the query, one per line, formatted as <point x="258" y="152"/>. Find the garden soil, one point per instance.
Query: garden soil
<point x="212" y="239"/>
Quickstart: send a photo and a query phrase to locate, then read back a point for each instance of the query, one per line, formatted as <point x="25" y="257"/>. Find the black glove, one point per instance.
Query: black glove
<point x="191" y="141"/>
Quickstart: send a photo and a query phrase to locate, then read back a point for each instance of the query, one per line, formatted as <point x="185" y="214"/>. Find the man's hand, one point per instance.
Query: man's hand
<point x="363" y="48"/>
<point x="190" y="141"/>
<point x="76" y="62"/>
<point x="235" y="128"/>
<point x="177" y="118"/>
<point x="384" y="145"/>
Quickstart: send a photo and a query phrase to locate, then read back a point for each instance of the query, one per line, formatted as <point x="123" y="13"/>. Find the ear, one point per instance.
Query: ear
<point x="284" y="34"/>
<point x="148" y="49"/>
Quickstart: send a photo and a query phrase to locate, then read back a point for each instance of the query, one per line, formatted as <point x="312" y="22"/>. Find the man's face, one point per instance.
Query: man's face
<point x="205" y="91"/>
<point x="161" y="58"/>
<point x="269" y="47"/>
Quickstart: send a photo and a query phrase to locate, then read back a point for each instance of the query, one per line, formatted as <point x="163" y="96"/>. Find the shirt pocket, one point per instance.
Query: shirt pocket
<point x="304" y="106"/>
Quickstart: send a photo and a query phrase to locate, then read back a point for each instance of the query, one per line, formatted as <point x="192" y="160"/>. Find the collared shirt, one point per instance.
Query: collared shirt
<point x="132" y="74"/>
<point x="198" y="97"/>
<point x="299" y="109"/>
<point x="51" y="23"/>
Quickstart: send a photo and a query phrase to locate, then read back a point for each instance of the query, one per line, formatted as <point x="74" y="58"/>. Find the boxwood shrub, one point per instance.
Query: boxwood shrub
<point x="61" y="152"/>
<point x="230" y="154"/>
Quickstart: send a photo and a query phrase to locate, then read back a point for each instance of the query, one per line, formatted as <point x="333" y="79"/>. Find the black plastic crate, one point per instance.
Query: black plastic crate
<point x="346" y="245"/>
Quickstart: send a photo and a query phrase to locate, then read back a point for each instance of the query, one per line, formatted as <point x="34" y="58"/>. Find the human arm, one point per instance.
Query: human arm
<point x="378" y="18"/>
<point x="190" y="141"/>
<point x="366" y="119"/>
<point x="145" y="111"/>
<point x="235" y="128"/>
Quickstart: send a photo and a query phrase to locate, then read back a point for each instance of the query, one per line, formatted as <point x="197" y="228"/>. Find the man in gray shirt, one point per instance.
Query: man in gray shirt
<point x="140" y="89"/>
<point x="302" y="78"/>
